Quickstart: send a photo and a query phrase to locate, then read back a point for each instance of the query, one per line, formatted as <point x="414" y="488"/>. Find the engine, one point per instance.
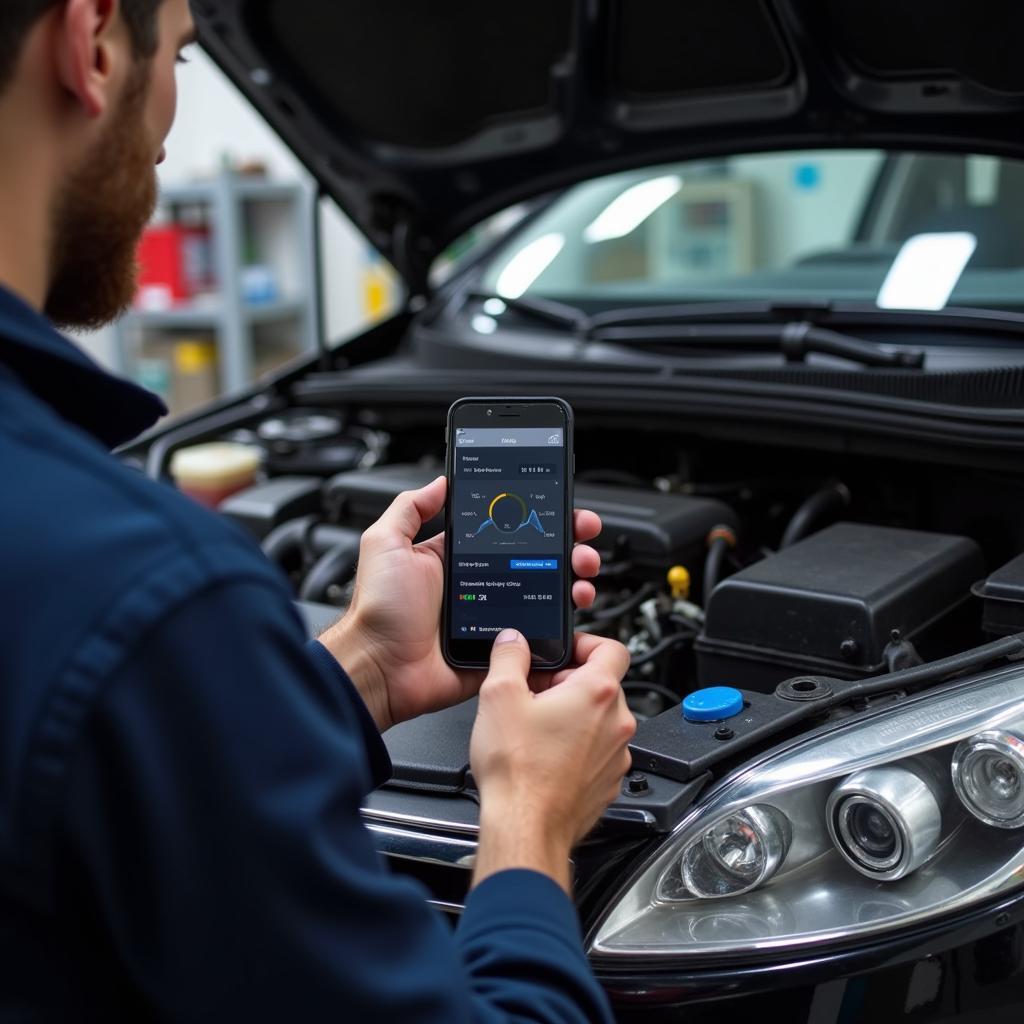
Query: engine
<point x="725" y="581"/>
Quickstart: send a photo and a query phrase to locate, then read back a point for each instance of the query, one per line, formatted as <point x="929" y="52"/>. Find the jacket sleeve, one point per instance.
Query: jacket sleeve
<point x="213" y="810"/>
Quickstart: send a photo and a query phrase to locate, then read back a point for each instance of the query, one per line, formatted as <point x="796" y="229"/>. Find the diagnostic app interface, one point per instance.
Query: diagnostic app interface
<point x="508" y="525"/>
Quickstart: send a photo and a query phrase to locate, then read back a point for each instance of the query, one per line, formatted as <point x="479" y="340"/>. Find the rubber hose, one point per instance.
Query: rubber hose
<point x="662" y="647"/>
<point x="606" y="615"/>
<point x="306" y="536"/>
<point x="636" y="686"/>
<point x="335" y="568"/>
<point x="831" y="497"/>
<point x="720" y="540"/>
<point x="326" y="537"/>
<point x="288" y="541"/>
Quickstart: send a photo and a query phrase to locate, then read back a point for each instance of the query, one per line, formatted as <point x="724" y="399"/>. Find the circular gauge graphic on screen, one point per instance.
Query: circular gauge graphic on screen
<point x="508" y="513"/>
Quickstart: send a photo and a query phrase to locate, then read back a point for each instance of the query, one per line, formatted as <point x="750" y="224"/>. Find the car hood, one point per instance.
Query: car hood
<point x="420" y="119"/>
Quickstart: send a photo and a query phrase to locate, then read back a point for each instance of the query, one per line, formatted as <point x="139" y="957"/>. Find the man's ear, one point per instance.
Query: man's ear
<point x="86" y="51"/>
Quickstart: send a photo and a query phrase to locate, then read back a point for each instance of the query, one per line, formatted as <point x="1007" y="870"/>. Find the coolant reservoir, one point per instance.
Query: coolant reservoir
<point x="212" y="472"/>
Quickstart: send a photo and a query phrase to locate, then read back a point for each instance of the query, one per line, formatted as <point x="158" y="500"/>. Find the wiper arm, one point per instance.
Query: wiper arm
<point x="794" y="340"/>
<point x="816" y="311"/>
<point x="584" y="325"/>
<point x="676" y="326"/>
<point x="548" y="311"/>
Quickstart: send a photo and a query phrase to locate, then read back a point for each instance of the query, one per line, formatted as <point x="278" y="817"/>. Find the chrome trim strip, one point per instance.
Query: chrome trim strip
<point x="396" y="818"/>
<point x="433" y="849"/>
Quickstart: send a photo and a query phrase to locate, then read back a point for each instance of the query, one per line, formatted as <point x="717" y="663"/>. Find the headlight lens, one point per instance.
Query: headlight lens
<point x="988" y="773"/>
<point x="844" y="834"/>
<point x="732" y="857"/>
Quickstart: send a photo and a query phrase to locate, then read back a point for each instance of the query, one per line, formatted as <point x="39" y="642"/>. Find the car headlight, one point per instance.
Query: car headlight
<point x="988" y="772"/>
<point x="889" y="819"/>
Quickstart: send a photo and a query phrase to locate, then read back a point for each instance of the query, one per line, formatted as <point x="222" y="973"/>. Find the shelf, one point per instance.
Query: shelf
<point x="242" y="188"/>
<point x="209" y="315"/>
<point x="233" y="203"/>
<point x="271" y="312"/>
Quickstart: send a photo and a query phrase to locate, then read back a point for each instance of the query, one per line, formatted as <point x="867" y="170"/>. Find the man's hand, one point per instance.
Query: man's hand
<point x="547" y="763"/>
<point x="389" y="641"/>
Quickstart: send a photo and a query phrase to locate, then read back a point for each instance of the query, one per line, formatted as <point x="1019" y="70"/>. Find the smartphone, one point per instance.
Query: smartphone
<point x="508" y="529"/>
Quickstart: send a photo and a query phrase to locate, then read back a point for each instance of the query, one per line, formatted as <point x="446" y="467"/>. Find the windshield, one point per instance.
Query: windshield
<point x="898" y="230"/>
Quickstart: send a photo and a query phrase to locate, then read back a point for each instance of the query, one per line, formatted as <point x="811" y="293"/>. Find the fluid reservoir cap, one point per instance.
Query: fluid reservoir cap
<point x="679" y="582"/>
<point x="712" y="704"/>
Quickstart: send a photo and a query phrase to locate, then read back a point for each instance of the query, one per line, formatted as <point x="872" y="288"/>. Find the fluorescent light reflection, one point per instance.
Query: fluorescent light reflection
<point x="628" y="211"/>
<point x="528" y="264"/>
<point x="484" y="324"/>
<point x="926" y="270"/>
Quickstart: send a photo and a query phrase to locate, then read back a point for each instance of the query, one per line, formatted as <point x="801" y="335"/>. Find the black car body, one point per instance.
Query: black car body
<point x="841" y="478"/>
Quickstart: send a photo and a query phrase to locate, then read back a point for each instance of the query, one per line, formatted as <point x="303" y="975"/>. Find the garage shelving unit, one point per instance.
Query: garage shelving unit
<point x="233" y="205"/>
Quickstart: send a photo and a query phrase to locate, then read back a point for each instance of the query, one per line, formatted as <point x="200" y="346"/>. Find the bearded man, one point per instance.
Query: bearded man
<point x="180" y="771"/>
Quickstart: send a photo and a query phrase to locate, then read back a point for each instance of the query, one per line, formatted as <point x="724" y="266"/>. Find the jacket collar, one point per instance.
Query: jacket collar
<point x="62" y="375"/>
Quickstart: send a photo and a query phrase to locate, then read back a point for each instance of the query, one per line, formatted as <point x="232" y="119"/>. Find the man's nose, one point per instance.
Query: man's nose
<point x="163" y="155"/>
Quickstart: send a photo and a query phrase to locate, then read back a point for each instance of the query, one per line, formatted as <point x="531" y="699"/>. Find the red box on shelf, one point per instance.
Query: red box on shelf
<point x="174" y="261"/>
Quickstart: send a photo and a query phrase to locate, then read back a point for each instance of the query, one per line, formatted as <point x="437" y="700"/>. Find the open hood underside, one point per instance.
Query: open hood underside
<point x="420" y="119"/>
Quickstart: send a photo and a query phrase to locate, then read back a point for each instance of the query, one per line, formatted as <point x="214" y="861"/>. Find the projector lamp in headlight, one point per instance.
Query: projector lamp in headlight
<point x="868" y="829"/>
<point x="732" y="857"/>
<point x="886" y="822"/>
<point x="988" y="775"/>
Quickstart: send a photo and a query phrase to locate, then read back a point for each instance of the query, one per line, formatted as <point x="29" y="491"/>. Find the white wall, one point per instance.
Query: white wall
<point x="216" y="123"/>
<point x="797" y="219"/>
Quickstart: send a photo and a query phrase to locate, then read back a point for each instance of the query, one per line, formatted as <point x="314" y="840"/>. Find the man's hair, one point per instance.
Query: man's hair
<point x="18" y="16"/>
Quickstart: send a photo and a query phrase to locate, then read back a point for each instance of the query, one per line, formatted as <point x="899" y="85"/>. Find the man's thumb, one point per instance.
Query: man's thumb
<point x="411" y="509"/>
<point x="510" y="658"/>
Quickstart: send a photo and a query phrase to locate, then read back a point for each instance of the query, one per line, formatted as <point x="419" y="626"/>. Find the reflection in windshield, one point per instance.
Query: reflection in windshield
<point x="926" y="270"/>
<point x="900" y="230"/>
<point x="529" y="263"/>
<point x="626" y="212"/>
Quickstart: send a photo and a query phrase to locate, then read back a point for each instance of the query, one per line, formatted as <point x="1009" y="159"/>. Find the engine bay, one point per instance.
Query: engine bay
<point x="725" y="562"/>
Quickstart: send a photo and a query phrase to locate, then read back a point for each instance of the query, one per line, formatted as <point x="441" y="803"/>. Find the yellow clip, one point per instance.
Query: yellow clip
<point x="679" y="582"/>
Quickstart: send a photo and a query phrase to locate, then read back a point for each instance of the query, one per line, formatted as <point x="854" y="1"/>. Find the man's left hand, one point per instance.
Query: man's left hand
<point x="389" y="640"/>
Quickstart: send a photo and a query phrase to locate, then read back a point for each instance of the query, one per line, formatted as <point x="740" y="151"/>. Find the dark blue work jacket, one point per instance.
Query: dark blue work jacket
<point x="181" y="774"/>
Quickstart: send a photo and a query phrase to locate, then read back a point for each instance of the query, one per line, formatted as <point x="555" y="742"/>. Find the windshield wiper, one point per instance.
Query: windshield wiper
<point x="796" y="336"/>
<point x="794" y="340"/>
<point x="548" y="311"/>
<point x="676" y="326"/>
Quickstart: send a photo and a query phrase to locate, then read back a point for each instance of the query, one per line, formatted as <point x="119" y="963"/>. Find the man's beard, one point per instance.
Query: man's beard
<point x="99" y="219"/>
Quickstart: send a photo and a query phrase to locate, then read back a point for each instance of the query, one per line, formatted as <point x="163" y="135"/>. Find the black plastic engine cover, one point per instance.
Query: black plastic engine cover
<point x="264" y="507"/>
<point x="651" y="530"/>
<point x="829" y="604"/>
<point x="1003" y="597"/>
<point x="432" y="752"/>
<point x="360" y="497"/>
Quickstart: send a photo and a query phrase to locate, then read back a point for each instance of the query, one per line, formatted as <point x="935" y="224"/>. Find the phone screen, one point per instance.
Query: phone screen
<point x="509" y="531"/>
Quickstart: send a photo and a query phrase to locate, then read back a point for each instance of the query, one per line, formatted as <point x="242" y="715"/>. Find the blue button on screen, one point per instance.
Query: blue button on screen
<point x="533" y="563"/>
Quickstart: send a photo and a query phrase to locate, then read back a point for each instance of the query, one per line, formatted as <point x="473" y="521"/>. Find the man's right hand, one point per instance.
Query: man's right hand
<point x="547" y="763"/>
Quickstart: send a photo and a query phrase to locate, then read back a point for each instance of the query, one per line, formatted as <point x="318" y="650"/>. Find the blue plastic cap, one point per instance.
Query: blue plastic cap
<point x="712" y="704"/>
